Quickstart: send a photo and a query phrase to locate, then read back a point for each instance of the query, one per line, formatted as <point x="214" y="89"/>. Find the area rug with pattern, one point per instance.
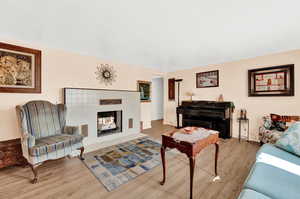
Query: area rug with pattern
<point x="118" y="164"/>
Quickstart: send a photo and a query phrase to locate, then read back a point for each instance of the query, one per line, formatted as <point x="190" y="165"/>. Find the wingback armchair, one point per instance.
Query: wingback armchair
<point x="45" y="135"/>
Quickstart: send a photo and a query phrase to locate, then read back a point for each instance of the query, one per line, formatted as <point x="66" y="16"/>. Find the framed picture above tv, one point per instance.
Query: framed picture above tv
<point x="207" y="79"/>
<point x="271" y="81"/>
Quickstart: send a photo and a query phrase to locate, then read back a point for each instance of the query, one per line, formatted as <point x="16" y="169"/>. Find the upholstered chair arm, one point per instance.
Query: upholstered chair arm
<point x="30" y="140"/>
<point x="27" y="139"/>
<point x="71" y="130"/>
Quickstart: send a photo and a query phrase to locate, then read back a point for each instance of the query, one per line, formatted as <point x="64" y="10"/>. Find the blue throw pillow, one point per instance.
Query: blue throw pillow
<point x="290" y="140"/>
<point x="267" y="122"/>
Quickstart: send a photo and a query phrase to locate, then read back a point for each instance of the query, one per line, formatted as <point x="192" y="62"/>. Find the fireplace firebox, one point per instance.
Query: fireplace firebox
<point x="109" y="122"/>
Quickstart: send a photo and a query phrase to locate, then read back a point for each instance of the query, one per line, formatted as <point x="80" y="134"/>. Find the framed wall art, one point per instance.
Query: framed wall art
<point x="271" y="81"/>
<point x="20" y="69"/>
<point x="144" y="87"/>
<point x="171" y="88"/>
<point x="207" y="79"/>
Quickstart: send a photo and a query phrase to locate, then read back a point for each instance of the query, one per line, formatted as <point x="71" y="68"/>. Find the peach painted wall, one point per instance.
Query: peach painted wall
<point x="62" y="69"/>
<point x="234" y="87"/>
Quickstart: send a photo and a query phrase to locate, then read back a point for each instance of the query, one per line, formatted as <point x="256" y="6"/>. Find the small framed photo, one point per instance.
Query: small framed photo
<point x="271" y="81"/>
<point x="207" y="79"/>
<point x="144" y="87"/>
<point x="20" y="69"/>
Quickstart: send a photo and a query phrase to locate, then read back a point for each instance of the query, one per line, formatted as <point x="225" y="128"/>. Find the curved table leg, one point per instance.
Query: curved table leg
<point x="81" y="153"/>
<point x="192" y="168"/>
<point x="216" y="158"/>
<point x="162" y="152"/>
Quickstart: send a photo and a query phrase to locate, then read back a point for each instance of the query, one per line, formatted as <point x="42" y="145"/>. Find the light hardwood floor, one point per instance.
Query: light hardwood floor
<point x="69" y="178"/>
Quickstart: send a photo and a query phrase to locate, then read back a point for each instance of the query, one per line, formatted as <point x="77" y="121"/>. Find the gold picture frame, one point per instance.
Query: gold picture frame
<point x="144" y="87"/>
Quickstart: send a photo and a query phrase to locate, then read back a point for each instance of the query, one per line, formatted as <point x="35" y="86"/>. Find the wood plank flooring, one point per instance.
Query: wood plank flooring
<point x="69" y="178"/>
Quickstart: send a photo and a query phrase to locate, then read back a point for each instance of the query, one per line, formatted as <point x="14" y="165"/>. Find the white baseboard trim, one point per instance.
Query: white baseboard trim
<point x="147" y="124"/>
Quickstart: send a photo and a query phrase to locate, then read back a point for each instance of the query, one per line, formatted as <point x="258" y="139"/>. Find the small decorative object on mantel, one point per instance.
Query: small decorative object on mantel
<point x="207" y="79"/>
<point x="271" y="81"/>
<point x="221" y="98"/>
<point x="144" y="87"/>
<point x="106" y="74"/>
<point x="20" y="69"/>
<point x="190" y="94"/>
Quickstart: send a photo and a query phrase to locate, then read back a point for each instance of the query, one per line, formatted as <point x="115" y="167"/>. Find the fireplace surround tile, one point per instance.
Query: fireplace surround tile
<point x="83" y="107"/>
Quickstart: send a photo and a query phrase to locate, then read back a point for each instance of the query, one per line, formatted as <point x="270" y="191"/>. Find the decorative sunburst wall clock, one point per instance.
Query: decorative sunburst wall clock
<point x="106" y="74"/>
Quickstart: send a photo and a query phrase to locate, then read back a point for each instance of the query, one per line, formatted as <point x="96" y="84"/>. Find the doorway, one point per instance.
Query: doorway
<point x="157" y="109"/>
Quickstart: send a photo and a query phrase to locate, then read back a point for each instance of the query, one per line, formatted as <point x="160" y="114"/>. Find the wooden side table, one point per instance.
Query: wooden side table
<point x="191" y="150"/>
<point x="11" y="153"/>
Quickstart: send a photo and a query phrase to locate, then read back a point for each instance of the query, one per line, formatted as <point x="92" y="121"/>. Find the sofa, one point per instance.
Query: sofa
<point x="273" y="127"/>
<point x="275" y="175"/>
<point x="270" y="131"/>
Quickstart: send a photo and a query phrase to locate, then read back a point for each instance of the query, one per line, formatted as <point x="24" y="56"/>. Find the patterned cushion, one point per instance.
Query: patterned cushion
<point x="53" y="143"/>
<point x="278" y="122"/>
<point x="290" y="140"/>
<point x="267" y="122"/>
<point x="269" y="136"/>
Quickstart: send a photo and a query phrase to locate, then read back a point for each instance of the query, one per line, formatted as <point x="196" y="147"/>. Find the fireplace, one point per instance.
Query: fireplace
<point x="109" y="122"/>
<point x="85" y="106"/>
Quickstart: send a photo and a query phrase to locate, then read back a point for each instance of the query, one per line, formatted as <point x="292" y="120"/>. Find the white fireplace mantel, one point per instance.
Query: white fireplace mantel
<point x="84" y="104"/>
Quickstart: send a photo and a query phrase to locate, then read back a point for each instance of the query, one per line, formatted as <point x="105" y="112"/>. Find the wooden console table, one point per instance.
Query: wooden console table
<point x="11" y="153"/>
<point x="190" y="149"/>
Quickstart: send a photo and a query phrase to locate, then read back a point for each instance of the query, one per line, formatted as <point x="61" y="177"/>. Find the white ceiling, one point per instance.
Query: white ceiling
<point x="163" y="34"/>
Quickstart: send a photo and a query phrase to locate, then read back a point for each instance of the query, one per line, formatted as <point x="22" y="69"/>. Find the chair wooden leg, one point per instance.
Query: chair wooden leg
<point x="22" y="162"/>
<point x="35" y="173"/>
<point x="81" y="153"/>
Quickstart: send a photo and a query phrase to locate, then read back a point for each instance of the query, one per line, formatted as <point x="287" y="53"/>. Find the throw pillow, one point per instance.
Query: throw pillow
<point x="275" y="117"/>
<point x="278" y="122"/>
<point x="290" y="140"/>
<point x="267" y="122"/>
